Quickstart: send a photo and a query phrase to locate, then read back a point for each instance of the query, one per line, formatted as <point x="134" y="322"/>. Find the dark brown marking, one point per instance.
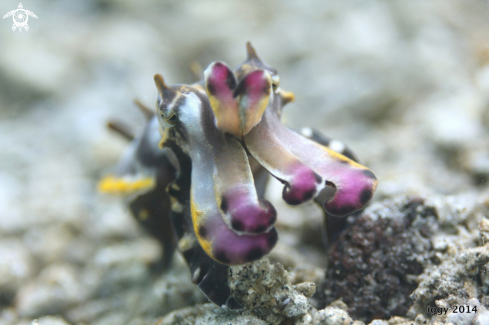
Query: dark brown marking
<point x="330" y="184"/>
<point x="343" y="211"/>
<point x="211" y="89"/>
<point x="230" y="80"/>
<point x="365" y="196"/>
<point x="224" y="204"/>
<point x="297" y="200"/>
<point x="237" y="225"/>
<point x="254" y="254"/>
<point x="272" y="220"/>
<point x="272" y="239"/>
<point x="202" y="232"/>
<point x="221" y="257"/>
<point x="309" y="194"/>
<point x="368" y="172"/>
<point x="260" y="229"/>
<point x="319" y="179"/>
<point x="240" y="89"/>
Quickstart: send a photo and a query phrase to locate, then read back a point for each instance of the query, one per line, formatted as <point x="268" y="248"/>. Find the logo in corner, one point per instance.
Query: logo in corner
<point x="20" y="17"/>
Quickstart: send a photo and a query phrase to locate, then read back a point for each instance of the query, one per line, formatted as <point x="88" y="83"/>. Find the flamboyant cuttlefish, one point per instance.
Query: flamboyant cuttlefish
<point x="196" y="175"/>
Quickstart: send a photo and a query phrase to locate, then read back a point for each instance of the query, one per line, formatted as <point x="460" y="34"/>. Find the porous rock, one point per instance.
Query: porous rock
<point x="264" y="288"/>
<point x="458" y="276"/>
<point x="373" y="264"/>
<point x="306" y="288"/>
<point x="332" y="316"/>
<point x="209" y="314"/>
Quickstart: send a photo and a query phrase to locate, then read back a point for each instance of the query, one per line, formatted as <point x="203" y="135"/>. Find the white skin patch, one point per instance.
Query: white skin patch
<point x="337" y="146"/>
<point x="189" y="115"/>
<point x="307" y="132"/>
<point x="196" y="275"/>
<point x="186" y="243"/>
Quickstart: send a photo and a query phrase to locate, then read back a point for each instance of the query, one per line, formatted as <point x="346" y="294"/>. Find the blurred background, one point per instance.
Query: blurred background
<point x="405" y="84"/>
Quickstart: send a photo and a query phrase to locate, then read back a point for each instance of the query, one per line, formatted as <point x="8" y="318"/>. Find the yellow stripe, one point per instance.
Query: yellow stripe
<point x="196" y="220"/>
<point x="340" y="157"/>
<point x="114" y="185"/>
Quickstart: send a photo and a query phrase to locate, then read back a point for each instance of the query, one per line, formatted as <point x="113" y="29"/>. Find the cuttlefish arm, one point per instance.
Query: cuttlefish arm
<point x="302" y="183"/>
<point x="252" y="96"/>
<point x="232" y="225"/>
<point x="354" y="183"/>
<point x="253" y="93"/>
<point x="234" y="189"/>
<point x="220" y="83"/>
<point x="210" y="276"/>
<point x="237" y="106"/>
<point x="222" y="185"/>
<point x="225" y="164"/>
<point x="215" y="237"/>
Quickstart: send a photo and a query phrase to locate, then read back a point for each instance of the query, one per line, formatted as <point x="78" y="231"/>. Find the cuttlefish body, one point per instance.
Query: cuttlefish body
<point x="232" y="225"/>
<point x="202" y="165"/>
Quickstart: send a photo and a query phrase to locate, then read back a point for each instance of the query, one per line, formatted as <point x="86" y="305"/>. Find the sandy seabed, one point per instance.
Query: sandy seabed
<point x="405" y="84"/>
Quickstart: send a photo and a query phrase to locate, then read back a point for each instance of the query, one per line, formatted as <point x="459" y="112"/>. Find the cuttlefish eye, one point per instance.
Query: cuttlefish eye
<point x="172" y="119"/>
<point x="275" y="81"/>
<point x="169" y="119"/>
<point x="166" y="95"/>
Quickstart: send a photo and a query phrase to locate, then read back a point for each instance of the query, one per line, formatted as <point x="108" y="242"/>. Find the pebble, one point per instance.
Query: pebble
<point x="332" y="316"/>
<point x="16" y="265"/>
<point x="57" y="287"/>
